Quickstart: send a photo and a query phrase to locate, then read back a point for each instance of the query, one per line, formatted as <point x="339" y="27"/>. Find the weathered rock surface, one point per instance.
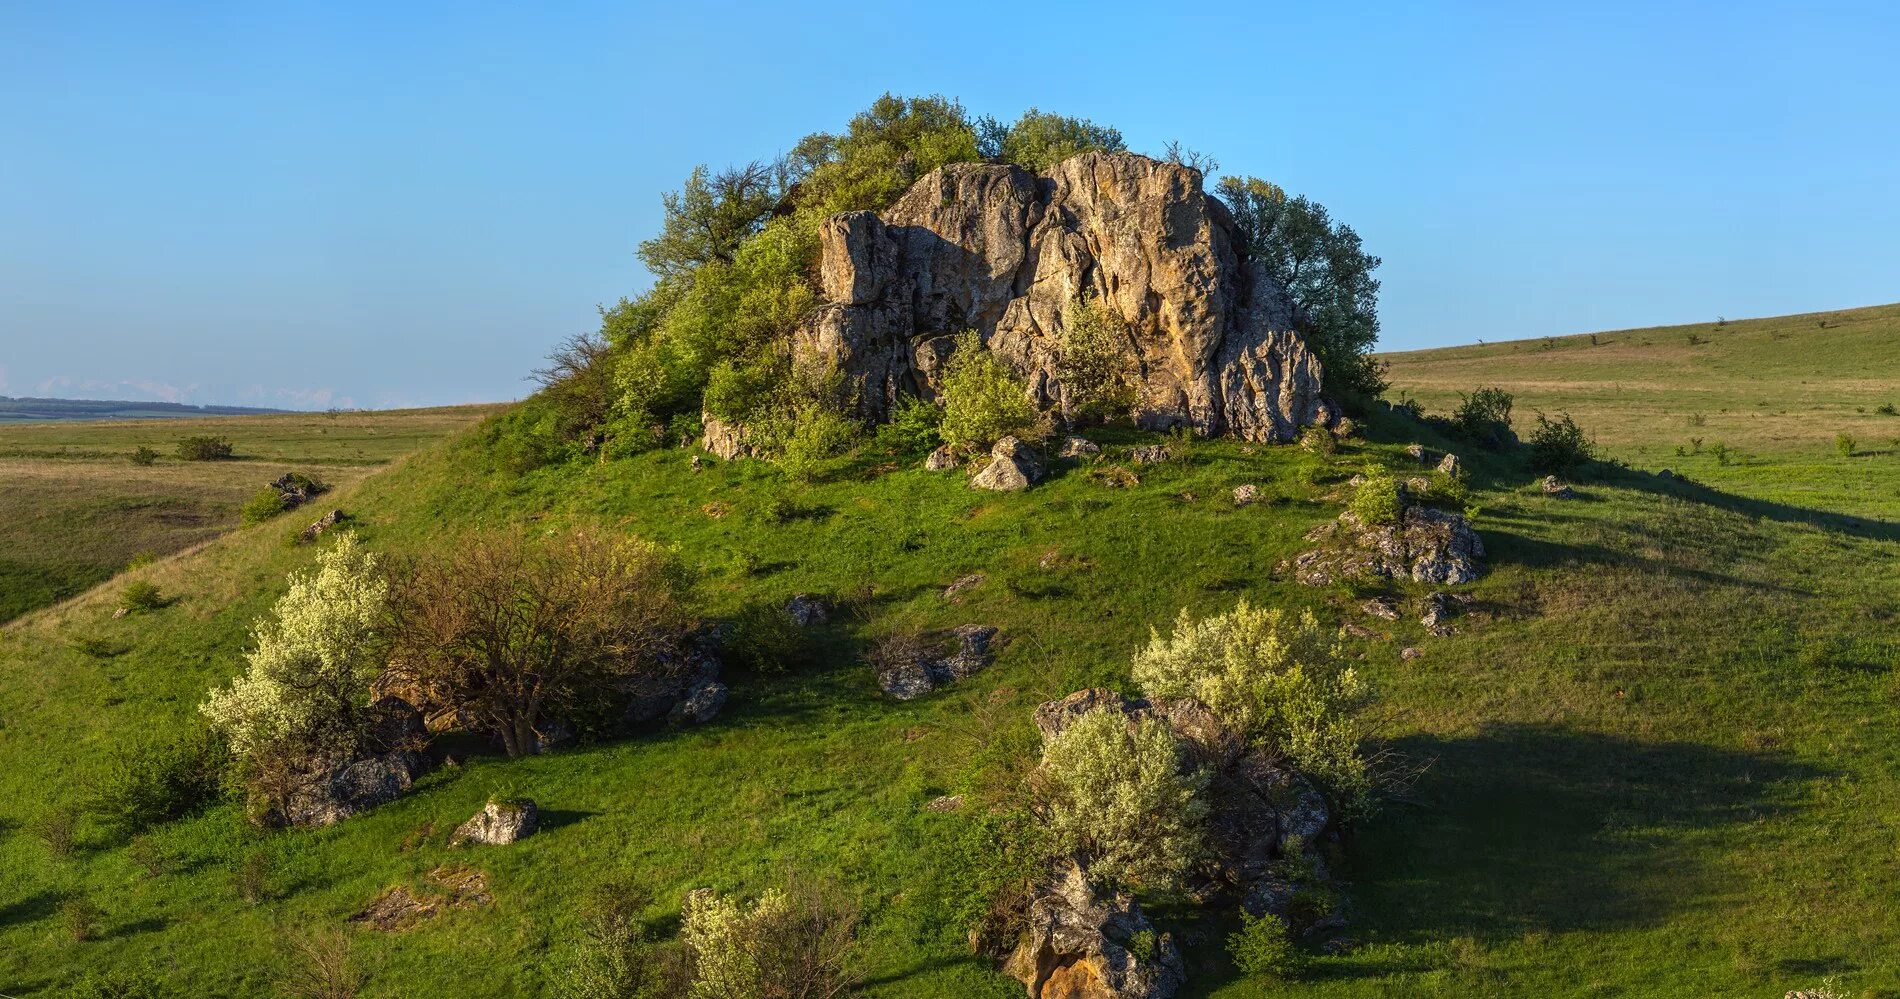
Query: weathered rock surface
<point x="398" y="908"/>
<point x="1381" y="607"/>
<point x="1081" y="943"/>
<point x="1013" y="467"/>
<point x="499" y="823"/>
<point x="326" y="795"/>
<point x="1247" y="494"/>
<point x="919" y="669"/>
<point x="1425" y="545"/>
<point x="943" y="459"/>
<point x="806" y="610"/>
<point x="324" y="523"/>
<point x="1079" y="447"/>
<point x="1557" y="488"/>
<point x="1449" y="465"/>
<point x="954" y="592"/>
<point x="684" y="688"/>
<point x="995" y="249"/>
<point x="1150" y="454"/>
<point x="296" y="490"/>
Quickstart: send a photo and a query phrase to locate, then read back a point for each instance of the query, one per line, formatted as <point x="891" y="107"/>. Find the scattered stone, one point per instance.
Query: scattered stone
<point x="1410" y="653"/>
<point x="697" y="464"/>
<point x="1150" y="454"/>
<point x="398" y="908"/>
<point x="121" y="612"/>
<point x="1049" y="560"/>
<point x="1450" y="466"/>
<point x="806" y="610"/>
<point x="1080" y="944"/>
<point x="1666" y="474"/>
<point x="1357" y="630"/>
<point x="1437" y="609"/>
<point x="954" y="592"/>
<point x="1418" y="487"/>
<point x="499" y="823"/>
<point x="700" y="705"/>
<point x="946" y="803"/>
<point x="1079" y="447"/>
<point x="296" y="489"/>
<point x="1557" y="488"/>
<point x="1382" y="607"/>
<point x="909" y="669"/>
<point x="1425" y="545"/>
<point x="324" y="523"/>
<point x="1421" y="454"/>
<point x="1115" y="477"/>
<point x="1013" y="467"/>
<point x="1244" y="495"/>
<point x="942" y="459"/>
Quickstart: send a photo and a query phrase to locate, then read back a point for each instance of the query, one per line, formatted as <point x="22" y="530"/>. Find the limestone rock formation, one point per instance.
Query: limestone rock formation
<point x="998" y="250"/>
<point x="1081" y="943"/>
<point x="1424" y="545"/>
<point x="1013" y="467"/>
<point x="912" y="672"/>
<point x="499" y="823"/>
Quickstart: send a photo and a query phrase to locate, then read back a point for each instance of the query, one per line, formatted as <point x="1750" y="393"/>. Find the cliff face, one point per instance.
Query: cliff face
<point x="1004" y="252"/>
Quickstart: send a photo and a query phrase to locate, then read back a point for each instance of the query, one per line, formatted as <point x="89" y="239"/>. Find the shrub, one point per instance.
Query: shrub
<point x="1844" y="443"/>
<point x="578" y="386"/>
<point x="1095" y="363"/>
<point x="151" y="857"/>
<point x="614" y="956"/>
<point x="1040" y="140"/>
<point x="1261" y="947"/>
<point x="1559" y="445"/>
<point x="983" y="400"/>
<point x="308" y="676"/>
<point x="263" y="505"/>
<point x="585" y="612"/>
<point x="156" y="782"/>
<point x="912" y="429"/>
<point x="119" y="983"/>
<point x="80" y="918"/>
<point x="204" y="447"/>
<point x="1484" y="415"/>
<point x="143" y="455"/>
<point x="1318" y="440"/>
<point x="1886" y="409"/>
<point x="820" y="435"/>
<point x="1720" y="450"/>
<point x="1121" y="797"/>
<point x="1378" y="499"/>
<point x="141" y="595"/>
<point x="321" y="964"/>
<point x="252" y="878"/>
<point x="798" y="942"/>
<point x="58" y="829"/>
<point x="1279" y="681"/>
<point x="763" y="638"/>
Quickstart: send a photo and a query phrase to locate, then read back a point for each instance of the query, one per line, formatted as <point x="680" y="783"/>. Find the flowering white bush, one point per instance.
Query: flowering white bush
<point x="1277" y="680"/>
<point x="314" y="657"/>
<point x="1119" y="797"/>
<point x="722" y="937"/>
<point x="792" y="943"/>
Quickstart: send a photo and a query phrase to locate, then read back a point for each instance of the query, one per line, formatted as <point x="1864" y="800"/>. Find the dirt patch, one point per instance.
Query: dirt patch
<point x="398" y="907"/>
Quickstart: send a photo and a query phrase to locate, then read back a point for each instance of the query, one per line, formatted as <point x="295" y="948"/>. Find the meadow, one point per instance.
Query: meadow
<point x="1657" y="756"/>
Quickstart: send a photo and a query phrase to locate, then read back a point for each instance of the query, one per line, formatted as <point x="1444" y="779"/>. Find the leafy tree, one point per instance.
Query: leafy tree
<point x="1121" y="796"/>
<point x="708" y="218"/>
<point x="1095" y="365"/>
<point x="983" y="400"/>
<point x="883" y="151"/>
<point x="1039" y="140"/>
<point x="1484" y="416"/>
<point x="1560" y="445"/>
<point x="1325" y="271"/>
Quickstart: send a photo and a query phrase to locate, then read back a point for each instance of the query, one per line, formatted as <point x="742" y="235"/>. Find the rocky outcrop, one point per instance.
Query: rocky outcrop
<point x="324" y="523"/>
<point x="324" y="790"/>
<point x="1424" y="544"/>
<point x="1013" y="467"/>
<point x="1084" y="943"/>
<point x="1557" y="488"/>
<point x="499" y="823"/>
<point x="907" y="670"/>
<point x="683" y="688"/>
<point x="995" y="249"/>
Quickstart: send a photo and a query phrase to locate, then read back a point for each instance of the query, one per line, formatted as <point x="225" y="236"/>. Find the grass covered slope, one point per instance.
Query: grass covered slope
<point x="1660" y="743"/>
<point x="75" y="510"/>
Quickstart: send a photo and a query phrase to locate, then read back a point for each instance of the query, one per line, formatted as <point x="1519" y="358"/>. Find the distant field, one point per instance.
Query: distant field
<point x="21" y="410"/>
<point x="74" y="510"/>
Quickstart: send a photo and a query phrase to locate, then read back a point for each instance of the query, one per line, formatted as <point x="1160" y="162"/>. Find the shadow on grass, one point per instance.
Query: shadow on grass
<point x="1695" y="492"/>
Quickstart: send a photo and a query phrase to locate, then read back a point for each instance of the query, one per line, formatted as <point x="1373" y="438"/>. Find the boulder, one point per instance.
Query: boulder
<point x="954" y="592"/>
<point x="806" y="610"/>
<point x="943" y="459"/>
<point x="700" y="705"/>
<point x="945" y="803"/>
<point x="1084" y="943"/>
<point x="1422" y="454"/>
<point x="1410" y="653"/>
<point x="1150" y="454"/>
<point x="683" y="688"/>
<point x="1013" y="466"/>
<point x="1381" y="607"/>
<point x="915" y="669"/>
<point x="323" y="795"/>
<point x="1424" y="544"/>
<point x="998" y="250"/>
<point x="1557" y="488"/>
<point x="324" y="523"/>
<point x="1247" y="494"/>
<point x="499" y="823"/>
<point x="725" y="440"/>
<point x="1449" y="465"/>
<point x="1079" y="447"/>
<point x="1052" y="717"/>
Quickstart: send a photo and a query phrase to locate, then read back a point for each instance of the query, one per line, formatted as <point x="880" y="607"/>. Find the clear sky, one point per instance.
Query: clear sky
<point x="374" y="204"/>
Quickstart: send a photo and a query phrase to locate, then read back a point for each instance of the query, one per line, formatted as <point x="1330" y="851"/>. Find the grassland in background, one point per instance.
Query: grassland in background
<point x="1661" y="751"/>
<point x="74" y="510"/>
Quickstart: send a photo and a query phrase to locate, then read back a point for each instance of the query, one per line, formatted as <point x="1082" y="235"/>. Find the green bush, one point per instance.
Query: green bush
<point x="1095" y="365"/>
<point x="913" y="428"/>
<point x="204" y="447"/>
<point x="1378" y="499"/>
<point x="263" y="505"/>
<point x="1559" y="445"/>
<point x="1039" y="140"/>
<point x="143" y="455"/>
<point x="1123" y="798"/>
<point x="1844" y="443"/>
<point x="1886" y="409"/>
<point x="799" y="941"/>
<point x="1262" y="948"/>
<point x="1484" y="415"/>
<point x="819" y="437"/>
<point x="1282" y="682"/>
<point x="141" y="595"/>
<point x="764" y="639"/>
<point x="983" y="400"/>
<point x="157" y="782"/>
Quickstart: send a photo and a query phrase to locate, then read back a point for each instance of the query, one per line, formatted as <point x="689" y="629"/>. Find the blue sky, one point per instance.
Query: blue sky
<point x="375" y="204"/>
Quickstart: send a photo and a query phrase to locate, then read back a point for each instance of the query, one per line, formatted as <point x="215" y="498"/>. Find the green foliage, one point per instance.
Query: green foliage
<point x="141" y="595"/>
<point x="1319" y="440"/>
<point x="1122" y="797"/>
<point x="144" y="455"/>
<point x="881" y="154"/>
<point x="788" y="943"/>
<point x="1484" y="415"/>
<point x="1096" y="364"/>
<point x="763" y="638"/>
<point x="913" y="428"/>
<point x="204" y="447"/>
<point x="1325" y="271"/>
<point x="119" y="983"/>
<point x="157" y="781"/>
<point x="1261" y="947"/>
<point x="1886" y="409"/>
<point x="1844" y="443"/>
<point x="615" y="955"/>
<point x="80" y="918"/>
<point x="1038" y="141"/>
<point x="263" y="505"/>
<point x="1281" y="681"/>
<point x="819" y="437"/>
<point x="1378" y="499"/>
<point x="983" y="400"/>
<point x="1559" y="445"/>
<point x="711" y="216"/>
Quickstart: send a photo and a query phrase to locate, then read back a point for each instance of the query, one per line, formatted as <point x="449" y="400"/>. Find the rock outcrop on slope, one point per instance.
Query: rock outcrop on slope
<point x="996" y="249"/>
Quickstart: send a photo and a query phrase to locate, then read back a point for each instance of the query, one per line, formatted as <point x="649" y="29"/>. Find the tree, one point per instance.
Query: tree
<point x="1325" y="271"/>
<point x="508" y="631"/>
<point x="883" y="151"/>
<point x="315" y="655"/>
<point x="1039" y="141"/>
<point x="1095" y="365"/>
<point x="708" y="218"/>
<point x="983" y="400"/>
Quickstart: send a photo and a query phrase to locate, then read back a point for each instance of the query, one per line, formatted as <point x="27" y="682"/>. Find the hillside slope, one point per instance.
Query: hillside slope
<point x="1659" y="746"/>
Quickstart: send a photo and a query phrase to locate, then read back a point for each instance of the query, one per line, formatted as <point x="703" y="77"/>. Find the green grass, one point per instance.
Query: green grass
<point x="1661" y="751"/>
<point x="75" y="510"/>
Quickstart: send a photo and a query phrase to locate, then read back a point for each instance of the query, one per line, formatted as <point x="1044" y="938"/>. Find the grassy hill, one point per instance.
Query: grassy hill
<point x="1660" y="751"/>
<point x="75" y="510"/>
